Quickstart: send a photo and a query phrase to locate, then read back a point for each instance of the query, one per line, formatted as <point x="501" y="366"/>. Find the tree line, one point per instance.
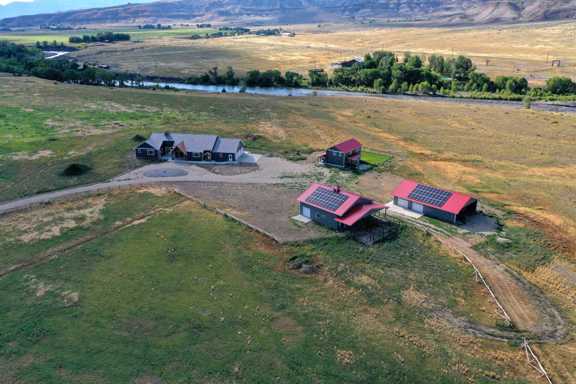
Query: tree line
<point x="21" y="60"/>
<point x="101" y="37"/>
<point x="377" y="72"/>
<point x="385" y="72"/>
<point x="54" y="46"/>
<point x="254" y="78"/>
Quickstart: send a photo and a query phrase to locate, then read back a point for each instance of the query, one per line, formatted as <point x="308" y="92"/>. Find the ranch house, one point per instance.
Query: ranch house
<point x="345" y="155"/>
<point x="190" y="147"/>
<point x="452" y="207"/>
<point x="334" y="208"/>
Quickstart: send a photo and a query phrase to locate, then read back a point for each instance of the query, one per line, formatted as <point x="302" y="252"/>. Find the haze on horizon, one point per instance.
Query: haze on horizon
<point x="13" y="8"/>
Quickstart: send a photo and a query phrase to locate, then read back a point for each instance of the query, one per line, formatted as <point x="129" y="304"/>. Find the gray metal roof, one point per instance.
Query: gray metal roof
<point x="197" y="143"/>
<point x="226" y="145"/>
<point x="156" y="139"/>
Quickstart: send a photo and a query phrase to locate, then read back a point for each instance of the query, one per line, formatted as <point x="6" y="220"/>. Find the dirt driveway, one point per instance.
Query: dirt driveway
<point x="267" y="207"/>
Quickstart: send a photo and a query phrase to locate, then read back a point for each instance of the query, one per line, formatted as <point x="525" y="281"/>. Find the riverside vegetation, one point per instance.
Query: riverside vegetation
<point x="378" y="72"/>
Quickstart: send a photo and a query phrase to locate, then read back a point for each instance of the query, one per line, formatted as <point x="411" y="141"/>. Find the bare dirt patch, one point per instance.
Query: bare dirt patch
<point x="268" y="207"/>
<point x="378" y="185"/>
<point x="413" y="297"/>
<point x="33" y="225"/>
<point x="155" y="190"/>
<point x="31" y="156"/>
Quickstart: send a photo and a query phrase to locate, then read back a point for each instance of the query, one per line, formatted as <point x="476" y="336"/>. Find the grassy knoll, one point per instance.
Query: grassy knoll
<point x="496" y="50"/>
<point x="188" y="296"/>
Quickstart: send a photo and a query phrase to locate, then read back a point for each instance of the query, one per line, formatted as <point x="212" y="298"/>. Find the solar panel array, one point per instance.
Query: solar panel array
<point x="430" y="195"/>
<point x="327" y="199"/>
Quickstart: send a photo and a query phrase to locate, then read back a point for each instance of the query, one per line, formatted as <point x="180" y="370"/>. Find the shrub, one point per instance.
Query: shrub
<point x="76" y="169"/>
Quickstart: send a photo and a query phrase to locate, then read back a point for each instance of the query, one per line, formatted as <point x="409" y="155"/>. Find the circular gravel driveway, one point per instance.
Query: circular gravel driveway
<point x="165" y="172"/>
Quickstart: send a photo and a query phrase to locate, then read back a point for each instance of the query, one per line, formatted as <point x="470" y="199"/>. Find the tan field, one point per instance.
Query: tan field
<point x="526" y="50"/>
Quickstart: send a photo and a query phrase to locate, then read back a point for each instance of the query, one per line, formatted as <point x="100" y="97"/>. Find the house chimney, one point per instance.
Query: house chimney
<point x="168" y="135"/>
<point x="337" y="189"/>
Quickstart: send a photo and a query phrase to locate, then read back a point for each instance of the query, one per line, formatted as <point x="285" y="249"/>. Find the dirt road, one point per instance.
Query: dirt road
<point x="528" y="308"/>
<point x="268" y="171"/>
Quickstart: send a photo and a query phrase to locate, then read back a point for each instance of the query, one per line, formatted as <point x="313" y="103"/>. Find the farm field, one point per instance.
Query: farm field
<point x="526" y="50"/>
<point x="519" y="161"/>
<point x="138" y="35"/>
<point x="114" y="290"/>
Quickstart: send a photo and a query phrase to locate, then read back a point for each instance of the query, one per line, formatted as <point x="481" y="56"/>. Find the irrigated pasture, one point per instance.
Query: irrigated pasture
<point x="32" y="36"/>
<point x="524" y="50"/>
<point x="149" y="287"/>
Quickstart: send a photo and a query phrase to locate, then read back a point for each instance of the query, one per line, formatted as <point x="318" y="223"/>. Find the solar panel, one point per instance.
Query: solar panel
<point x="327" y="199"/>
<point x="430" y="195"/>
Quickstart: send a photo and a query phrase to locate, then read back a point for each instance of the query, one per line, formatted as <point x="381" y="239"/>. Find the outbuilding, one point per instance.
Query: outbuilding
<point x="346" y="155"/>
<point x="335" y="208"/>
<point x="452" y="207"/>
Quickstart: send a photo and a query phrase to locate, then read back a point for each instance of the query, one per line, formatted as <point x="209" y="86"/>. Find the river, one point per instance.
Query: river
<point x="307" y="92"/>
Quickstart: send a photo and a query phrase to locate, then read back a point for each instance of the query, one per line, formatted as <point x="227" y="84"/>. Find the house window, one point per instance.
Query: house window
<point x="151" y="152"/>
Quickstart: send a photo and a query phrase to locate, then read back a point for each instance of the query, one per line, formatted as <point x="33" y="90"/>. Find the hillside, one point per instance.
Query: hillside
<point x="312" y="11"/>
<point x="34" y="7"/>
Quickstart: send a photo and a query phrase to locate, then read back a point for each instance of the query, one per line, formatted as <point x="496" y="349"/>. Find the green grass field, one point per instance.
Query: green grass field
<point x="188" y="296"/>
<point x="138" y="35"/>
<point x="374" y="158"/>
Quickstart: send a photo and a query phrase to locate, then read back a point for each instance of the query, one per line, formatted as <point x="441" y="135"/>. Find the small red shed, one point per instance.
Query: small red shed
<point x="344" y="155"/>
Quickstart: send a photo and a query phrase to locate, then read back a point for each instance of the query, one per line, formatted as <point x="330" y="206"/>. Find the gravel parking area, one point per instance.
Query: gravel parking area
<point x="269" y="170"/>
<point x="268" y="207"/>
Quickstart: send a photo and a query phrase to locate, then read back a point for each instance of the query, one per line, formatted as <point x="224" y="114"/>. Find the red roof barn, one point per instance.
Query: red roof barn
<point x="335" y="208"/>
<point x="444" y="205"/>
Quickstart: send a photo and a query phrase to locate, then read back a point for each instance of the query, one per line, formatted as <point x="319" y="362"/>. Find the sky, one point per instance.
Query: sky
<point x="5" y="2"/>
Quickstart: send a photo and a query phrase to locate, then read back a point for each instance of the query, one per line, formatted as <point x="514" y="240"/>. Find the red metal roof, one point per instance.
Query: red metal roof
<point x="455" y="204"/>
<point x="351" y="199"/>
<point x="348" y="145"/>
<point x="354" y="208"/>
<point x="358" y="213"/>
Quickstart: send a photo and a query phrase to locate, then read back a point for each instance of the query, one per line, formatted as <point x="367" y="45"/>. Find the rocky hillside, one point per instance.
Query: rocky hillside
<point x="312" y="11"/>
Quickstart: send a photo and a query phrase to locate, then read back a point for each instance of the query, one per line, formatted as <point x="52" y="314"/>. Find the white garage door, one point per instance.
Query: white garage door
<point x="418" y="208"/>
<point x="403" y="203"/>
<point x="306" y="212"/>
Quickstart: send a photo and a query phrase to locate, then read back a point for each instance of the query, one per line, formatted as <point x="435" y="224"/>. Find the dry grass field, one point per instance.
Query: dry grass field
<point x="526" y="50"/>
<point x="520" y="161"/>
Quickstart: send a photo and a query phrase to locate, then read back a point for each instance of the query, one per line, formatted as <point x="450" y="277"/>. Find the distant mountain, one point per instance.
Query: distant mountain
<point x="51" y="6"/>
<point x="312" y="11"/>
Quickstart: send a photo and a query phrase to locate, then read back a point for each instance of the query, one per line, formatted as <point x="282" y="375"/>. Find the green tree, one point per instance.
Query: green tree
<point x="293" y="79"/>
<point x="438" y="64"/>
<point x="318" y="77"/>
<point x="560" y="86"/>
<point x="379" y="85"/>
<point x="394" y="86"/>
<point x="230" y="77"/>
<point x="462" y="68"/>
<point x="413" y="62"/>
